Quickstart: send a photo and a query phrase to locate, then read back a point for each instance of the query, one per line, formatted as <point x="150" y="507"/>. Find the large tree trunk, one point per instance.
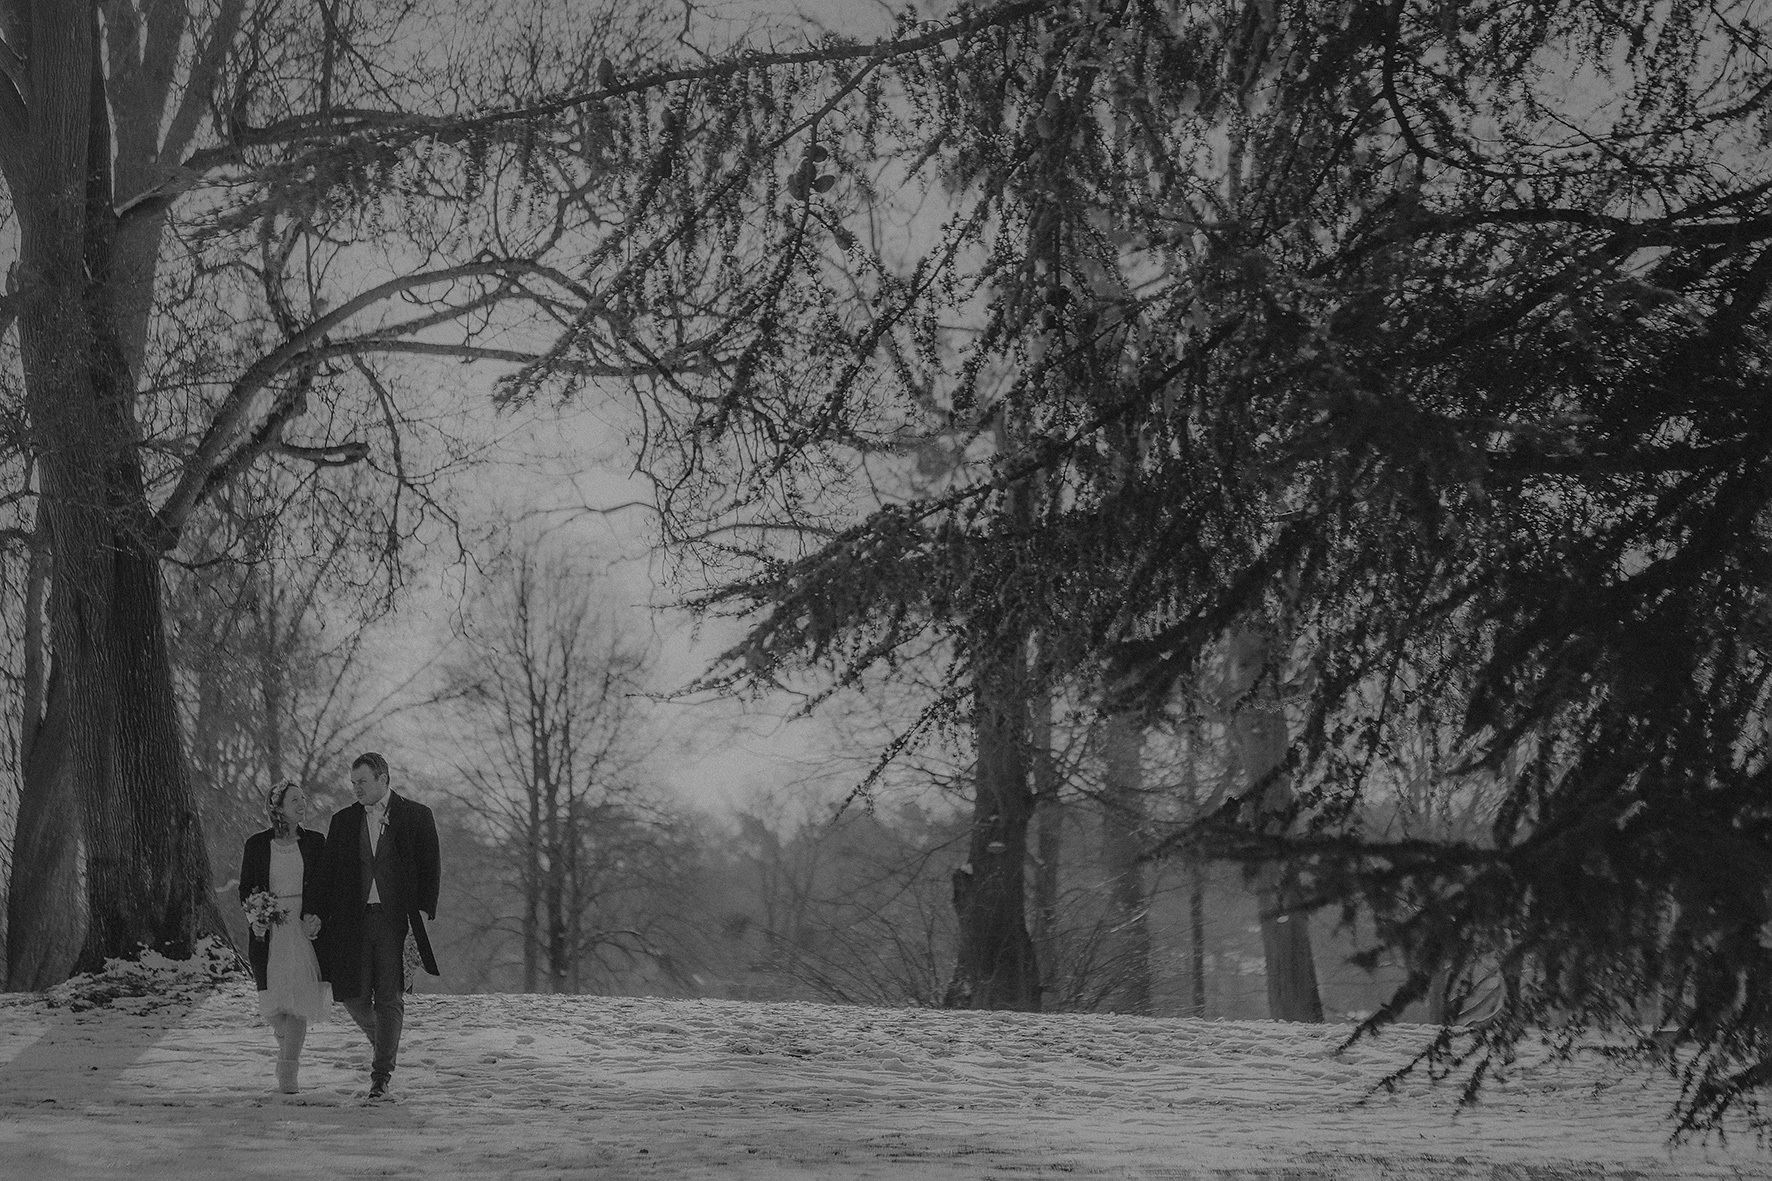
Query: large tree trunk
<point x="147" y="866"/>
<point x="997" y="968"/>
<point x="118" y="755"/>
<point x="1440" y="1008"/>
<point x="45" y="916"/>
<point x="58" y="389"/>
<point x="1049" y="822"/>
<point x="1196" y="913"/>
<point x="1196" y="878"/>
<point x="1122" y="848"/>
<point x="45" y="912"/>
<point x="1259" y="738"/>
<point x="35" y="682"/>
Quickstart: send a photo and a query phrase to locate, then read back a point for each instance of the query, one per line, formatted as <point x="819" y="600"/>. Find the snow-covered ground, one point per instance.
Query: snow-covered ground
<point x="520" y="1086"/>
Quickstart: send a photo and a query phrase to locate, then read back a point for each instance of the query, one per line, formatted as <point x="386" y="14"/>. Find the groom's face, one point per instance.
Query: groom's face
<point x="369" y="786"/>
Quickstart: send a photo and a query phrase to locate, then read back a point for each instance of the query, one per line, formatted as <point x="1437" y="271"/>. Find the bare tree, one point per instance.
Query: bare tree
<point x="267" y="635"/>
<point x="556" y="741"/>
<point x="854" y="903"/>
<point x="214" y="266"/>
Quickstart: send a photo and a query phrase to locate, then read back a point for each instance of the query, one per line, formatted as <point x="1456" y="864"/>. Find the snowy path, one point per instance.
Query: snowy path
<point x="509" y="1086"/>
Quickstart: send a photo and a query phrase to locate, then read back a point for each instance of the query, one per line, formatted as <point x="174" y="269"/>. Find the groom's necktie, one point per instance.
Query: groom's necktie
<point x="374" y="821"/>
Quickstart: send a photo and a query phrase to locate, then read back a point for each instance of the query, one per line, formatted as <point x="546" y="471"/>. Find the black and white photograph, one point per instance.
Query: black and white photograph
<point x="867" y="590"/>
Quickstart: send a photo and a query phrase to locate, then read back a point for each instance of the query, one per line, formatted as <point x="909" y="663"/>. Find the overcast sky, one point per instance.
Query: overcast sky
<point x="556" y="472"/>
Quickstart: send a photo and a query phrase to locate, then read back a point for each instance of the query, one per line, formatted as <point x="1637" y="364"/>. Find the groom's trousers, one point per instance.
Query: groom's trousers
<point x="379" y="1009"/>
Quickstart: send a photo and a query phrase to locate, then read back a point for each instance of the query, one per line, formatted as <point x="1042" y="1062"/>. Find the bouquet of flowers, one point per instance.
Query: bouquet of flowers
<point x="262" y="911"/>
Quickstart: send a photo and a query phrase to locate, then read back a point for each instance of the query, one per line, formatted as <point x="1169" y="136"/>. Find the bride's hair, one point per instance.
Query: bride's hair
<point x="280" y="825"/>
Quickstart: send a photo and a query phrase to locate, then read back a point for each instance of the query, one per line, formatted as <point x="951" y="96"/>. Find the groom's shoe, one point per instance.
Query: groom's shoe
<point x="378" y="1088"/>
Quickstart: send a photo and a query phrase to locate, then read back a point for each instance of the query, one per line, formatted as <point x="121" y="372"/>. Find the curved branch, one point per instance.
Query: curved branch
<point x="232" y="428"/>
<point x="334" y="455"/>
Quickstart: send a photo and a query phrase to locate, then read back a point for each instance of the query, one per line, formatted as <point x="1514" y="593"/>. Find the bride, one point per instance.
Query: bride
<point x="280" y="867"/>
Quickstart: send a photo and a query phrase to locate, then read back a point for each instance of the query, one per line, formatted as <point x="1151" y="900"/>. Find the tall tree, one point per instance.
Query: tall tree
<point x="109" y="703"/>
<point x="271" y="625"/>
<point x="554" y="751"/>
<point x="854" y="905"/>
<point x="210" y="261"/>
<point x="997" y="967"/>
<point x="1458" y="356"/>
<point x="1049" y="817"/>
<point x="1123" y="844"/>
<point x="1260" y="744"/>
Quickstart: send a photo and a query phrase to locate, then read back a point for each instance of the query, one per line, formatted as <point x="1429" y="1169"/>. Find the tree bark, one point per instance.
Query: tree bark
<point x="578" y="897"/>
<point x="1259" y="738"/>
<point x="1122" y="822"/>
<point x="58" y="391"/>
<point x="35" y="686"/>
<point x="117" y="753"/>
<point x="1196" y="872"/>
<point x="556" y="879"/>
<point x="1196" y="912"/>
<point x="1440" y="1009"/>
<point x="997" y="967"/>
<point x="148" y="868"/>
<point x="45" y="921"/>
<point x="45" y="915"/>
<point x="532" y="890"/>
<point x="1049" y="820"/>
<point x="270" y="671"/>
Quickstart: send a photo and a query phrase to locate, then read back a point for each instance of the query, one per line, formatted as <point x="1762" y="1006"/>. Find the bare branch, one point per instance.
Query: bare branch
<point x="204" y="72"/>
<point x="234" y="423"/>
<point x="517" y="357"/>
<point x="336" y="455"/>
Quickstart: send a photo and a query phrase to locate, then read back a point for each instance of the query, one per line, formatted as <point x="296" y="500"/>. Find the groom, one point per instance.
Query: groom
<point x="380" y="869"/>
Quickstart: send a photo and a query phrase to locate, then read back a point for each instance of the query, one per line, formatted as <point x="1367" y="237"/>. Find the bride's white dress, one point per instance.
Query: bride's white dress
<point x="292" y="977"/>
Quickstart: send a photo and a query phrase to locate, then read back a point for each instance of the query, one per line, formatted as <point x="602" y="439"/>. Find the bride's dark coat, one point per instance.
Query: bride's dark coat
<point x="255" y="874"/>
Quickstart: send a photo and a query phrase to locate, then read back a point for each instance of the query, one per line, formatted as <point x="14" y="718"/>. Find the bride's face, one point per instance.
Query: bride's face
<point x="295" y="805"/>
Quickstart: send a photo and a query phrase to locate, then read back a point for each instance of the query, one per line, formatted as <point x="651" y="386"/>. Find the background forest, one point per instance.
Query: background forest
<point x="575" y="866"/>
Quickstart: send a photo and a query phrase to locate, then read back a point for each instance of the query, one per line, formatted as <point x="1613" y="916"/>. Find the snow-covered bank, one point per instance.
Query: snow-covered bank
<point x="508" y="1086"/>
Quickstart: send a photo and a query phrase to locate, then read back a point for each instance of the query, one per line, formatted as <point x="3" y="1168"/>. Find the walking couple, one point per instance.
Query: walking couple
<point x="329" y="914"/>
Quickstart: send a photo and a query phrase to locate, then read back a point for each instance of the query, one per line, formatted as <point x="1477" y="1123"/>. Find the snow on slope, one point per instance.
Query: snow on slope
<point x="520" y="1086"/>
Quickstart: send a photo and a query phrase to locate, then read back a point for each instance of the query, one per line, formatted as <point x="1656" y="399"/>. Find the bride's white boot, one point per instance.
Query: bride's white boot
<point x="286" y="1079"/>
<point x="294" y="1031"/>
<point x="278" y="1022"/>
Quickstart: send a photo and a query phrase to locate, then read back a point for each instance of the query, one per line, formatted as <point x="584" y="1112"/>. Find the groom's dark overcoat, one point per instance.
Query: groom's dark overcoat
<point x="255" y="874"/>
<point x="407" y="876"/>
